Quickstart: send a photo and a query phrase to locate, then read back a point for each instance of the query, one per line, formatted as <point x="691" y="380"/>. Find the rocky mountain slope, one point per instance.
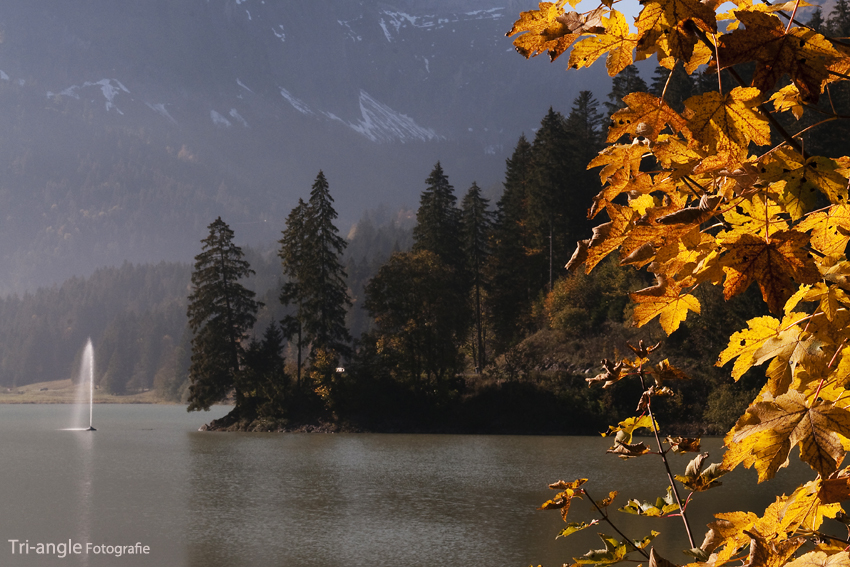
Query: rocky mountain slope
<point x="126" y="126"/>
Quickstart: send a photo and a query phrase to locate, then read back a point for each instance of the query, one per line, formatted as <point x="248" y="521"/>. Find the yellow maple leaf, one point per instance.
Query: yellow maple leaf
<point x="801" y="53"/>
<point x="803" y="178"/>
<point x="830" y="229"/>
<point x="617" y="41"/>
<point x="727" y="123"/>
<point x="764" y="436"/>
<point x="620" y="163"/>
<point x="542" y="31"/>
<point x="821" y="559"/>
<point x="758" y="216"/>
<point x="743" y="345"/>
<point x="649" y="111"/>
<point x="676" y="155"/>
<point x="803" y="509"/>
<point x="665" y="301"/>
<point x="788" y="98"/>
<point x="672" y="20"/>
<point x="608" y="236"/>
<point x="772" y="262"/>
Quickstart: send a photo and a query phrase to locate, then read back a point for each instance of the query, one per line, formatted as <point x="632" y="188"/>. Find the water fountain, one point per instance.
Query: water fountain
<point x="86" y="374"/>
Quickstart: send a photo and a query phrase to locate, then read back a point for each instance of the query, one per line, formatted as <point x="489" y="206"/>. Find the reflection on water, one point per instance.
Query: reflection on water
<point x="84" y="442"/>
<point x="223" y="500"/>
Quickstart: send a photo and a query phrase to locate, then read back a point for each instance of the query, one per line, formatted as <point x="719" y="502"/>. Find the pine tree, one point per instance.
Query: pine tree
<point x="477" y="224"/>
<point x="438" y="221"/>
<point x="327" y="293"/>
<point x="838" y="22"/>
<point x="585" y="126"/>
<point x="294" y="292"/>
<point x="264" y="377"/>
<point x="628" y="81"/>
<point x="508" y="267"/>
<point x="816" y="21"/>
<point x="220" y="312"/>
<point x="554" y="213"/>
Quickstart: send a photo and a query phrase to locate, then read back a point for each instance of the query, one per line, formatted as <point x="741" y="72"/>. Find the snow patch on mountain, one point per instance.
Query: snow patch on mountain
<point x="219" y="120"/>
<point x="4" y="76"/>
<point x="161" y="110"/>
<point x="350" y="33"/>
<point x="241" y="84"/>
<point x="297" y="104"/>
<point x="110" y="88"/>
<point x="380" y="123"/>
<point x="397" y="21"/>
<point x="279" y="34"/>
<point x="236" y="116"/>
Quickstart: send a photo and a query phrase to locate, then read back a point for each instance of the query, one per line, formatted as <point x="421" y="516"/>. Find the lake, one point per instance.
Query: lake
<point x="196" y="499"/>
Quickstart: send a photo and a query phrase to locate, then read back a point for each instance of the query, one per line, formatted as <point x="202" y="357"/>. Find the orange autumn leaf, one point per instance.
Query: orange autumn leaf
<point x="649" y="111"/>
<point x="543" y="31"/>
<point x="666" y="302"/>
<point x="617" y="42"/>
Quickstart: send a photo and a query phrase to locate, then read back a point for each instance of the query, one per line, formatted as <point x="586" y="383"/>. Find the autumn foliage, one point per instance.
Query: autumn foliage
<point x="725" y="194"/>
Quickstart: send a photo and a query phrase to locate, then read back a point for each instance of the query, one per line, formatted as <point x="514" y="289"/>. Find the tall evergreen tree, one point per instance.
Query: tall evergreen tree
<point x="628" y="81"/>
<point x="816" y="21"/>
<point x="327" y="293"/>
<point x="838" y="23"/>
<point x="293" y="255"/>
<point x="477" y="224"/>
<point x="220" y="312"/>
<point x="311" y="251"/>
<point x="585" y="125"/>
<point x="553" y="207"/>
<point x="438" y="221"/>
<point x="508" y="267"/>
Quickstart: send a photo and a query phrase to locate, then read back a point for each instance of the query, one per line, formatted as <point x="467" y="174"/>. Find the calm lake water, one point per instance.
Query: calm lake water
<point x="314" y="500"/>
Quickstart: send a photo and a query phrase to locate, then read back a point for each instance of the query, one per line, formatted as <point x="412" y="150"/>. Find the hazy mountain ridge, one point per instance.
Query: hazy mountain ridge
<point x="127" y="127"/>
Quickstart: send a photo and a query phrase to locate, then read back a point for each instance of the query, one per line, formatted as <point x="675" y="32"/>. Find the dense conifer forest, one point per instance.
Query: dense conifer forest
<point x="458" y="317"/>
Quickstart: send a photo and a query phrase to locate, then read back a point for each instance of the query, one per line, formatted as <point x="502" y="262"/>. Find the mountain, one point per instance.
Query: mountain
<point x="126" y="127"/>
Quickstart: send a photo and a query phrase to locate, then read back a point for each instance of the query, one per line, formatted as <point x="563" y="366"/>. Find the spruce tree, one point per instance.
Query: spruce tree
<point x="477" y="224"/>
<point x="838" y="23"/>
<point x="508" y="267"/>
<point x="438" y="221"/>
<point x="264" y="377"/>
<point x="293" y="257"/>
<point x="327" y="292"/>
<point x="554" y="215"/>
<point x="220" y="312"/>
<point x="628" y="81"/>
<point x="585" y="126"/>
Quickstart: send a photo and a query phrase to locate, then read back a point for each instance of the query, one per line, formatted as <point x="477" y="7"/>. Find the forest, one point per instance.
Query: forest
<point x="456" y="317"/>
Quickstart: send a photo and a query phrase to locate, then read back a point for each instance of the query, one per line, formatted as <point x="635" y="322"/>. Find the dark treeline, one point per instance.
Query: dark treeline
<point x="136" y="315"/>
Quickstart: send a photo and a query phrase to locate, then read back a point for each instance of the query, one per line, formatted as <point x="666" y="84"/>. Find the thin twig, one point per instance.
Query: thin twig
<point x="610" y="523"/>
<point x="666" y="463"/>
<point x="791" y="19"/>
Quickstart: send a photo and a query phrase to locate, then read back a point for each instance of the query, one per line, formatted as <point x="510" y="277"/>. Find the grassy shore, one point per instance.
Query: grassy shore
<point x="66" y="392"/>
